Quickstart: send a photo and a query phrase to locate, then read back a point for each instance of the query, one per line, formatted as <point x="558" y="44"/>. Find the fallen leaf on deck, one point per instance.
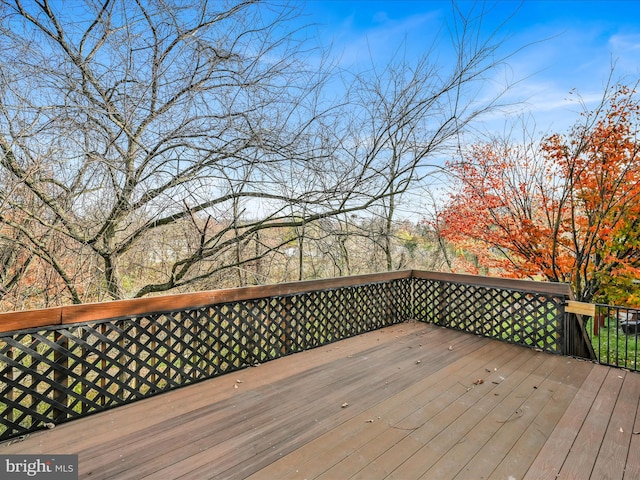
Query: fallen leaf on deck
<point x="478" y="382"/>
<point x="499" y="381"/>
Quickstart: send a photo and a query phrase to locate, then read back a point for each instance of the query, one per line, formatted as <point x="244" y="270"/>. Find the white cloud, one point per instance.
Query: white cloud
<point x="625" y="42"/>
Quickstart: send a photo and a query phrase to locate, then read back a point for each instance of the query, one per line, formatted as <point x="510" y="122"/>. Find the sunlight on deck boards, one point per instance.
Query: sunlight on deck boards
<point x="407" y="402"/>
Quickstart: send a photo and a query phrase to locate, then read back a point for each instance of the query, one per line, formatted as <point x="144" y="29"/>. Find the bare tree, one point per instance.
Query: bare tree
<point x="193" y="122"/>
<point x="410" y="114"/>
<point x="124" y="117"/>
<point x="14" y="260"/>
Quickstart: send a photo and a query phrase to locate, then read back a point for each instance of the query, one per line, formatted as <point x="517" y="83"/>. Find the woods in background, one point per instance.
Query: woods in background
<point x="168" y="146"/>
<point x="148" y="147"/>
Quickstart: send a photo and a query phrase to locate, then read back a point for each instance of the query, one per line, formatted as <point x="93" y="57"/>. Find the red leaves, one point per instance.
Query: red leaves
<point x="566" y="210"/>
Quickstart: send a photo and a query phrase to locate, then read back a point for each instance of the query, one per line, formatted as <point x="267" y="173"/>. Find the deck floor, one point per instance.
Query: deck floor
<point x="406" y="402"/>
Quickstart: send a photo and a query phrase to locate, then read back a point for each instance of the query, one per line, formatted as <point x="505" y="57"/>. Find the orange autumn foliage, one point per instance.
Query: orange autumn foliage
<point x="564" y="210"/>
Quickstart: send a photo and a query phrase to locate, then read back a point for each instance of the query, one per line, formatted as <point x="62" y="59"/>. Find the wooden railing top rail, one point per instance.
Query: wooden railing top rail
<point x="140" y="306"/>
<point x="553" y="288"/>
<point x="87" y="312"/>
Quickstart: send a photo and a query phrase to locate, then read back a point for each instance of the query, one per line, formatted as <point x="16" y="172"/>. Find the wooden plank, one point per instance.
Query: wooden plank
<point x="552" y="288"/>
<point x="632" y="465"/>
<point x="124" y="420"/>
<point x="10" y="322"/>
<point x="554" y="452"/>
<point x="521" y="444"/>
<point x="424" y="424"/>
<point x="488" y="441"/>
<point x="167" y="303"/>
<point x="580" y="308"/>
<point x="140" y="306"/>
<point x="580" y="461"/>
<point x="468" y="429"/>
<point x="615" y="450"/>
<point x="331" y="448"/>
<point x="290" y="436"/>
<point x="288" y="410"/>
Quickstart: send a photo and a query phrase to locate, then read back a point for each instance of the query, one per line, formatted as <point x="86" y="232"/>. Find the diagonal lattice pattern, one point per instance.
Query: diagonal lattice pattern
<point x="55" y="374"/>
<point x="524" y="318"/>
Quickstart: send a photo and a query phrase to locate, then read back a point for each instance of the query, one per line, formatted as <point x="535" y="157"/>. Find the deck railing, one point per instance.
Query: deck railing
<point x="63" y="363"/>
<point x="614" y="333"/>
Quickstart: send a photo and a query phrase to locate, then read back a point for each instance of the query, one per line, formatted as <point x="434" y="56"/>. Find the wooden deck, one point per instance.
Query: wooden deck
<point x="406" y="402"/>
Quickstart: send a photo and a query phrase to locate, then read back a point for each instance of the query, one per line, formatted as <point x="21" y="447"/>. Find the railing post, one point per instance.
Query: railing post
<point x="102" y="397"/>
<point x="60" y="375"/>
<point x="576" y="341"/>
<point x="598" y="321"/>
<point x="564" y="318"/>
<point x="410" y="306"/>
<point x="122" y="376"/>
<point x="153" y="346"/>
<point x="439" y="313"/>
<point x="10" y="372"/>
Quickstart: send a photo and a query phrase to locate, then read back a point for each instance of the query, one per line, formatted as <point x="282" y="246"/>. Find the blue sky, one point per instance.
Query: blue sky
<point x="572" y="44"/>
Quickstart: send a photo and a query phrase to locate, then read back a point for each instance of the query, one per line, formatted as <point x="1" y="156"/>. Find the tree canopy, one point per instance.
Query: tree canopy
<point x="564" y="209"/>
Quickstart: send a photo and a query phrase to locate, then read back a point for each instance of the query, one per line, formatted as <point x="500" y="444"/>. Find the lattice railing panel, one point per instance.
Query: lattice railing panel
<point x="55" y="374"/>
<point x="524" y="318"/>
<point x="51" y="375"/>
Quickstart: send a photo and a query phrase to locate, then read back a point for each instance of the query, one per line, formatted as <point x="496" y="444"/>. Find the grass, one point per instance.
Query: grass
<point x="613" y="347"/>
<point x="536" y="329"/>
